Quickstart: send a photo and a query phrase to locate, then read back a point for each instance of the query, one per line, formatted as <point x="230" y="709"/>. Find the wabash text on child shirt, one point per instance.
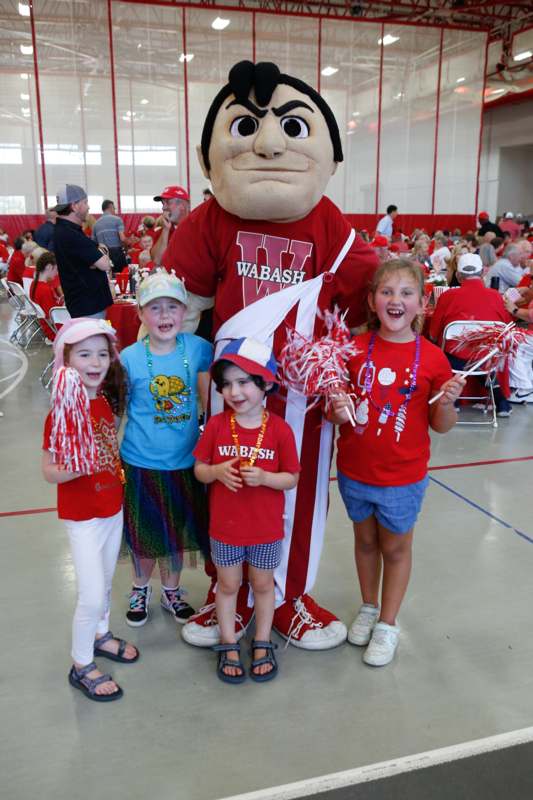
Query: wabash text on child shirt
<point x="393" y="450"/>
<point x="98" y="495"/>
<point x="253" y="514"/>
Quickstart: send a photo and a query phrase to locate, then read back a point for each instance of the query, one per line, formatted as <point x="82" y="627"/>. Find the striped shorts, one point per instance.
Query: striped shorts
<point x="260" y="556"/>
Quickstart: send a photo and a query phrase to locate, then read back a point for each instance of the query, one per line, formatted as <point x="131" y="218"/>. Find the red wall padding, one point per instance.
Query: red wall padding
<point x="408" y="222"/>
<point x="15" y="224"/>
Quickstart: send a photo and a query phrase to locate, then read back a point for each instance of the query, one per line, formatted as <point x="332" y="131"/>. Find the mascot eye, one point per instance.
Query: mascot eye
<point x="244" y="126"/>
<point x="295" y="127"/>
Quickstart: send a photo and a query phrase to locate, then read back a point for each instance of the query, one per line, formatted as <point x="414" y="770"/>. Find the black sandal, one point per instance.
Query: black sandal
<point x="224" y="661"/>
<point x="98" y="651"/>
<point x="78" y="678"/>
<point x="269" y="658"/>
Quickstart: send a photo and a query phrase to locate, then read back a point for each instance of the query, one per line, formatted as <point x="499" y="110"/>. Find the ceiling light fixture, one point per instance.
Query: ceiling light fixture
<point x="219" y="23"/>
<point x="356" y="113"/>
<point x="388" y="39"/>
<point x="523" y="55"/>
<point x="327" y="71"/>
<point x="24" y="96"/>
<point x="24" y="76"/>
<point x="24" y="10"/>
<point x="144" y="101"/>
<point x="460" y="80"/>
<point x="26" y="49"/>
<point x="186" y="57"/>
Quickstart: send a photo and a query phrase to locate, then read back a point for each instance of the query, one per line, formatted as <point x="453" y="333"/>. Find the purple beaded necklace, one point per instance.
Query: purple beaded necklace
<point x="386" y="409"/>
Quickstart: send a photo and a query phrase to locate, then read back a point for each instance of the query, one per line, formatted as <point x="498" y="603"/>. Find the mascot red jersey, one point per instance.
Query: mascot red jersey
<point x="268" y="252"/>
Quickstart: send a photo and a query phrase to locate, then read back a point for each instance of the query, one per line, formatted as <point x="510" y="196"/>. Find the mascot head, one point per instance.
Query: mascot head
<point x="270" y="144"/>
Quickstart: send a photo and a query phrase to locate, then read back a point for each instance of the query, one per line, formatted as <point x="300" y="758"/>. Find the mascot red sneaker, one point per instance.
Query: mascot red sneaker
<point x="267" y="252"/>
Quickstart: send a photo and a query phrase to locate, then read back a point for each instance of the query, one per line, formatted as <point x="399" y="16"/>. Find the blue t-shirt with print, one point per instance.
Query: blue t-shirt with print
<point x="162" y="427"/>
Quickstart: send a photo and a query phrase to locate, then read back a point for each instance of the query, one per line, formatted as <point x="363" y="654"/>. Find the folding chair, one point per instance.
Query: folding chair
<point x="26" y="316"/>
<point x="453" y="331"/>
<point x="57" y="317"/>
<point x="11" y="297"/>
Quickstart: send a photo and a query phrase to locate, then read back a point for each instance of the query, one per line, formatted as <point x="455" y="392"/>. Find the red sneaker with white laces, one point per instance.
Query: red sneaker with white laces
<point x="202" y="630"/>
<point x="307" y="625"/>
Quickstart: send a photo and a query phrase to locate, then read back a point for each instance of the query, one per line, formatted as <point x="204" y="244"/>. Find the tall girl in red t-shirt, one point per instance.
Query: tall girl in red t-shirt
<point x="89" y="498"/>
<point x="249" y="456"/>
<point x="382" y="460"/>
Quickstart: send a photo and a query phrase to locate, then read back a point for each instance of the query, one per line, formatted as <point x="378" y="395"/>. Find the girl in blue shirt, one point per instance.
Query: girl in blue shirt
<point x="164" y="505"/>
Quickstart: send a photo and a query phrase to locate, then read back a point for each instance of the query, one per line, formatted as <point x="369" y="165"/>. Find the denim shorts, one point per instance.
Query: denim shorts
<point x="394" y="507"/>
<point x="260" y="556"/>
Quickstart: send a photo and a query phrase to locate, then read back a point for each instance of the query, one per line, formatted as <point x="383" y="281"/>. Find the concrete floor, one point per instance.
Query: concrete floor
<point x="463" y="669"/>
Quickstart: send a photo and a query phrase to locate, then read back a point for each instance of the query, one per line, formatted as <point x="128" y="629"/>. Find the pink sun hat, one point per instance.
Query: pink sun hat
<point x="78" y="329"/>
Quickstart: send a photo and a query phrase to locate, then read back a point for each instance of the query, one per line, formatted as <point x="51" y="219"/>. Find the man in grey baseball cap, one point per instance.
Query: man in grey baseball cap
<point x="67" y="194"/>
<point x="83" y="269"/>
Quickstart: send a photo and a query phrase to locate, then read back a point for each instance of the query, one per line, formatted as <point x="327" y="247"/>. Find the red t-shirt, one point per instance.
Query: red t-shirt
<point x="253" y="514"/>
<point x="472" y="300"/>
<point x="16" y="267"/>
<point x="4" y="253"/>
<point x="44" y="295"/>
<point x="382" y="450"/>
<point x="511" y="227"/>
<point x="98" y="495"/>
<point x="241" y="261"/>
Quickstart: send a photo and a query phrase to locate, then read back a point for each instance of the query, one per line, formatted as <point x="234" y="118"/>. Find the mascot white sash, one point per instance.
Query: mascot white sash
<point x="259" y="321"/>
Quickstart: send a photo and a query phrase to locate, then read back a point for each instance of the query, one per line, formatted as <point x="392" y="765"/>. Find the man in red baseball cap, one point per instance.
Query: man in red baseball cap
<point x="175" y="202"/>
<point x="485" y="225"/>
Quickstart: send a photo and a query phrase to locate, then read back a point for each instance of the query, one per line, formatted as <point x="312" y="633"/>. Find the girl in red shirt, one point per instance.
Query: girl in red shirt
<point x="249" y="456"/>
<point x="42" y="289"/>
<point x="79" y="433"/>
<point x="16" y="262"/>
<point x="382" y="460"/>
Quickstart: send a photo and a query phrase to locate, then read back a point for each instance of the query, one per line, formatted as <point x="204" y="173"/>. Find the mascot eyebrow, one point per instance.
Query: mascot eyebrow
<point x="263" y="78"/>
<point x="279" y="112"/>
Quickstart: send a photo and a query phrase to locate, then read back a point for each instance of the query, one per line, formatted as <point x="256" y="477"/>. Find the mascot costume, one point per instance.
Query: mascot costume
<point x="268" y="252"/>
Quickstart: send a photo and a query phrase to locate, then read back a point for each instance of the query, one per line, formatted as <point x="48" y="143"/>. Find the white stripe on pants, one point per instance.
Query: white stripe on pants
<point x="94" y="544"/>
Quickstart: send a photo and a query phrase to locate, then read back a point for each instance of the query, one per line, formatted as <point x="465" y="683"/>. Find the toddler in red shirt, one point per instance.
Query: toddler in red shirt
<point x="80" y="455"/>
<point x="382" y="460"/>
<point x="249" y="457"/>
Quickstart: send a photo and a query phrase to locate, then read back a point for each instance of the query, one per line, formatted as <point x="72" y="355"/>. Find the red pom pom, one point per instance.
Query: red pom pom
<point x="492" y="343"/>
<point x="317" y="367"/>
<point x="72" y="438"/>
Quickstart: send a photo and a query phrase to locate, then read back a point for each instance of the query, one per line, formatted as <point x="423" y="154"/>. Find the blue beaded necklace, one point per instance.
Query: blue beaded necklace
<point x="186" y="392"/>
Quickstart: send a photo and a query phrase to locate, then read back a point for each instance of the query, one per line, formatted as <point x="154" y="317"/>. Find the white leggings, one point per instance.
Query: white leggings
<point x="95" y="544"/>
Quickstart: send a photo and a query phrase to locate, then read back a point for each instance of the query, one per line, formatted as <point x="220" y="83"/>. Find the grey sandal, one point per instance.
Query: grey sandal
<point x="224" y="661"/>
<point x="269" y="658"/>
<point x="78" y="678"/>
<point x="107" y="637"/>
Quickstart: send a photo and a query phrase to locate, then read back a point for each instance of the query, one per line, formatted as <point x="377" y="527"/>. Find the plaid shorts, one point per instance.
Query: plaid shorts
<point x="260" y="556"/>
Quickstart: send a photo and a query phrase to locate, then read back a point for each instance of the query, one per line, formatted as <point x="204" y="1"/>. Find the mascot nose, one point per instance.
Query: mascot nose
<point x="270" y="141"/>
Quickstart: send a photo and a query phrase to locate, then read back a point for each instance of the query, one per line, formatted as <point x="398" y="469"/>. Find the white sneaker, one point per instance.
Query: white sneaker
<point x="363" y="625"/>
<point x="521" y="396"/>
<point x="505" y="413"/>
<point x="382" y="645"/>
